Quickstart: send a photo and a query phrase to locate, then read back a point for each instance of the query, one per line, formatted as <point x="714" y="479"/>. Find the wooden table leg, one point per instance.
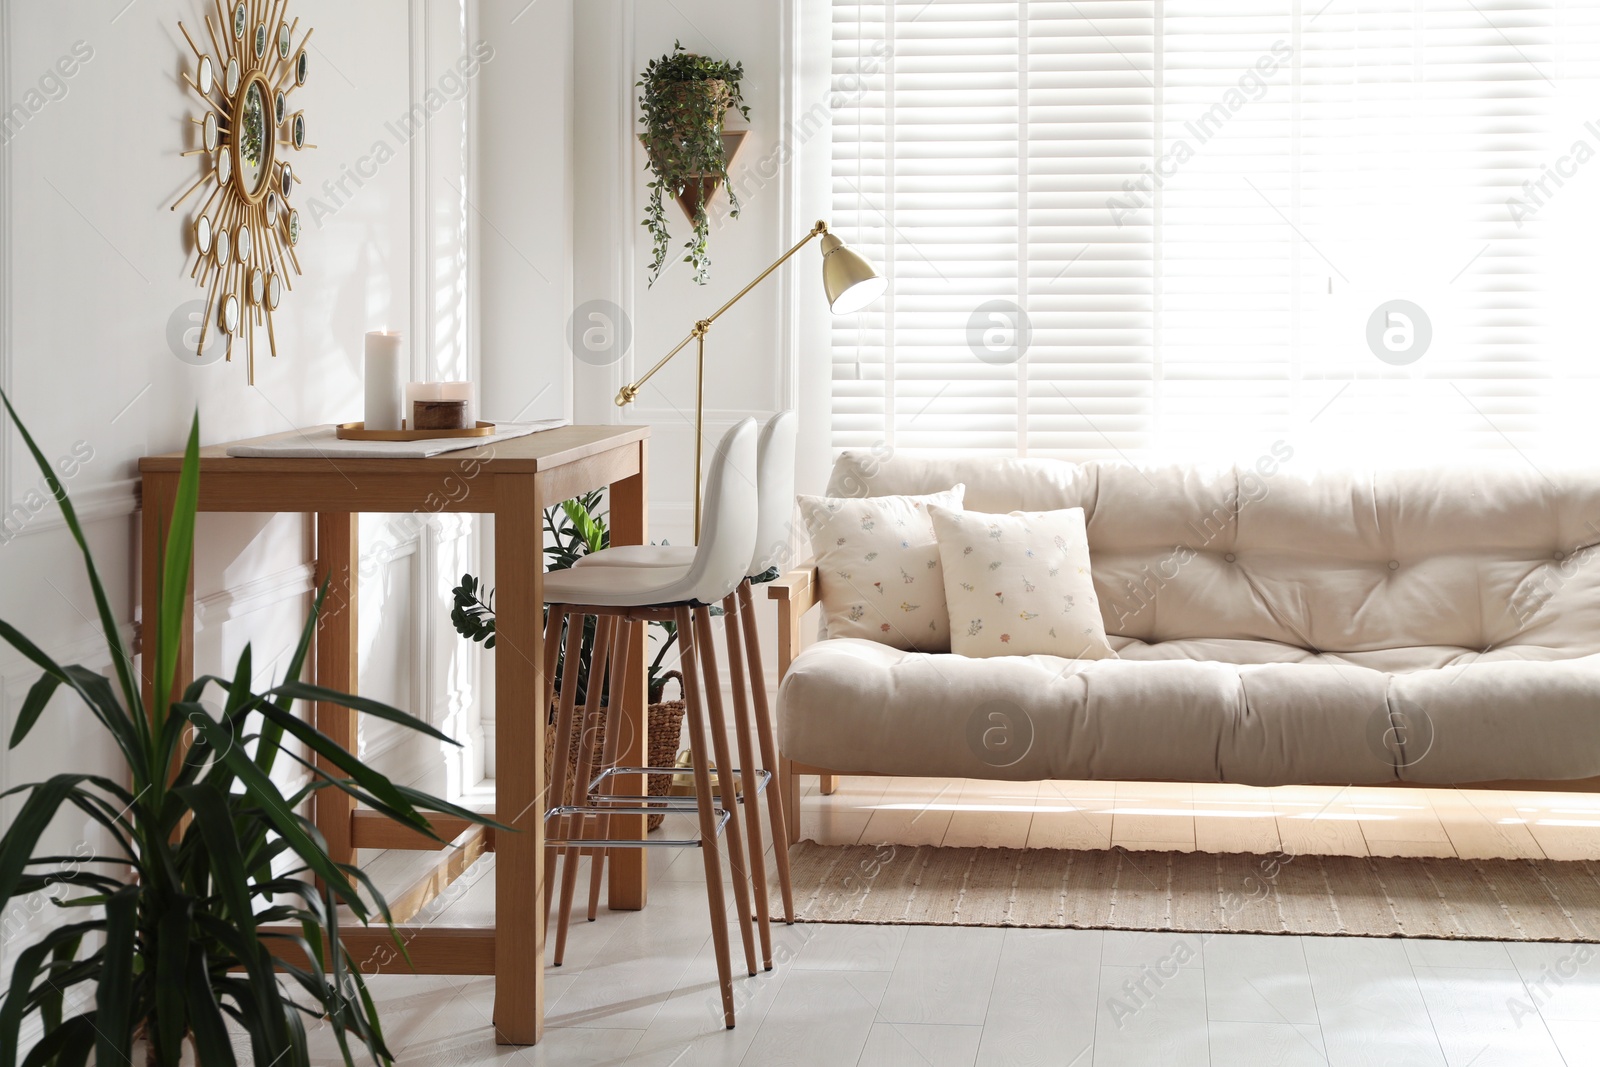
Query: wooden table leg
<point x="628" y="887"/>
<point x="338" y="557"/>
<point x="519" y="759"/>
<point x="158" y="494"/>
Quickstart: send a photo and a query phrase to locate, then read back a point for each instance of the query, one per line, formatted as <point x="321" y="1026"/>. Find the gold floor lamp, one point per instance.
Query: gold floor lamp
<point x="848" y="279"/>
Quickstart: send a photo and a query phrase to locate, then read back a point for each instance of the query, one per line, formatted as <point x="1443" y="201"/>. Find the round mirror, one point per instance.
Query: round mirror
<point x="207" y="77"/>
<point x="274" y="291"/>
<point x="280" y="105"/>
<point x="230" y="80"/>
<point x="224" y="166"/>
<point x="286" y="185"/>
<point x="223" y="246"/>
<point x="272" y="208"/>
<point x="283" y="40"/>
<point x="299" y="129"/>
<point x="257" y="287"/>
<point x="230" y="313"/>
<point x="254" y="137"/>
<point x="209" y="131"/>
<point x="300" y="68"/>
<point x="239" y="21"/>
<point x="202" y="234"/>
<point x="294" y="227"/>
<point x="261" y="40"/>
<point x="243" y="243"/>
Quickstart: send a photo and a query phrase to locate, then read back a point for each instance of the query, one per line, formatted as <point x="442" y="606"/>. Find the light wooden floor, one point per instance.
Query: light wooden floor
<point x="1207" y="818"/>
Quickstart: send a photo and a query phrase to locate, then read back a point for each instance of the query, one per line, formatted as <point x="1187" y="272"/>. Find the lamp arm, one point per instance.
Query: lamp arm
<point x="629" y="392"/>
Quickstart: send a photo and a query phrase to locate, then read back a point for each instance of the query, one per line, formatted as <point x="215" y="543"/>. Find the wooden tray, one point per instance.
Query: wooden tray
<point x="357" y="431"/>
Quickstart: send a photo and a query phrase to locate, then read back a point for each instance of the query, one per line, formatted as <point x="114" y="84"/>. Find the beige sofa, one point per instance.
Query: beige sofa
<point x="1272" y="626"/>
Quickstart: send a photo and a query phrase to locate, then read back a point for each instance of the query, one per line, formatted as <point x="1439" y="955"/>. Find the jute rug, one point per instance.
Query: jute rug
<point x="1196" y="892"/>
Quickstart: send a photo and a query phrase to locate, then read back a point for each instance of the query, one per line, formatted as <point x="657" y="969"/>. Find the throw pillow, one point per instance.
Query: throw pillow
<point x="1019" y="584"/>
<point x="878" y="567"/>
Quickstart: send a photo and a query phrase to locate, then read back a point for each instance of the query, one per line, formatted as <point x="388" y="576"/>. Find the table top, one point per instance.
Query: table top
<point x="519" y="455"/>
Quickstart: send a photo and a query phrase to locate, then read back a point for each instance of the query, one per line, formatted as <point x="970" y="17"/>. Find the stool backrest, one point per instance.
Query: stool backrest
<point x="728" y="517"/>
<point x="775" y="489"/>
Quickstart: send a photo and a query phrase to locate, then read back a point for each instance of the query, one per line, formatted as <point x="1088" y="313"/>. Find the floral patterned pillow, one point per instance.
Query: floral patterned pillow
<point x="878" y="567"/>
<point x="1019" y="584"/>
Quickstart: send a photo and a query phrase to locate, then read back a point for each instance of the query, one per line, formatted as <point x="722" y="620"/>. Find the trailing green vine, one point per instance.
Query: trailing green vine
<point x="684" y="99"/>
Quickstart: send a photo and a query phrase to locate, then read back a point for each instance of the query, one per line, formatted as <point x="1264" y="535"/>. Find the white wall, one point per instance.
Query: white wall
<point x="760" y="352"/>
<point x="745" y="367"/>
<point x="97" y="318"/>
<point x="524" y="212"/>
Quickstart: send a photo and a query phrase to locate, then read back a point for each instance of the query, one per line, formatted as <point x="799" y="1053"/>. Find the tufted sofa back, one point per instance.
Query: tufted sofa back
<point x="1481" y="558"/>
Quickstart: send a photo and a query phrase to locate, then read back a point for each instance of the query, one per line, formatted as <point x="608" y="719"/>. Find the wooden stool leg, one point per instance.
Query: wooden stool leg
<point x="748" y="776"/>
<point x="776" y="807"/>
<point x="725" y="787"/>
<point x="593" y="713"/>
<point x="708" y="821"/>
<point x="558" y="769"/>
<point x="552" y="653"/>
<point x="620" y="647"/>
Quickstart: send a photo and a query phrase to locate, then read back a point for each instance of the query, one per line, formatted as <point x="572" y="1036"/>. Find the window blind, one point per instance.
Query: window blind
<point x="1154" y="227"/>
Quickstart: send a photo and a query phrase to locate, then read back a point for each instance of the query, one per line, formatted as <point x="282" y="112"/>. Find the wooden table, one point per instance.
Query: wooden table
<point x="513" y="481"/>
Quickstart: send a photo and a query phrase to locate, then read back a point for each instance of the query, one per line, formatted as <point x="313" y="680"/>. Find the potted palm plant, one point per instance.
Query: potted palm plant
<point x="210" y="862"/>
<point x="683" y="101"/>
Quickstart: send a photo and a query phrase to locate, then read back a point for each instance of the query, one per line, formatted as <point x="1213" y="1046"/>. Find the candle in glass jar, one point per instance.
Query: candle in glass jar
<point x="461" y="391"/>
<point x="385" y="380"/>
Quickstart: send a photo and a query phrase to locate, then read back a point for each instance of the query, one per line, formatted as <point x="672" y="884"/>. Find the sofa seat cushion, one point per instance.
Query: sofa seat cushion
<point x="1389" y="660"/>
<point x="1267" y="714"/>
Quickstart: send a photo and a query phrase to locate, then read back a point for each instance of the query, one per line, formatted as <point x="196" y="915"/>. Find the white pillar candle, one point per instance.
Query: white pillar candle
<point x="385" y="380"/>
<point x="461" y="391"/>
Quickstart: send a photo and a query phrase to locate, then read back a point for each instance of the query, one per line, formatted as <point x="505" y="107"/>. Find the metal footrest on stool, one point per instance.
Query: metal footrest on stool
<point x="669" y="803"/>
<point x="722" y="816"/>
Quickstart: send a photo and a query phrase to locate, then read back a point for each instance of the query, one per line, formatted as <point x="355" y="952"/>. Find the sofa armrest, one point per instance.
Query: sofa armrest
<point x="796" y="592"/>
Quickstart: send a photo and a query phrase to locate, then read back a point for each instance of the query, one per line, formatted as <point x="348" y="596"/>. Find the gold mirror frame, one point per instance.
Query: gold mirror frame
<point x="269" y="140"/>
<point x="264" y="250"/>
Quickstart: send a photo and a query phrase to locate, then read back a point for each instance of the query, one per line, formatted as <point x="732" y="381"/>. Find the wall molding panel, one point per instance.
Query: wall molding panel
<point x="6" y="273"/>
<point x="243" y="598"/>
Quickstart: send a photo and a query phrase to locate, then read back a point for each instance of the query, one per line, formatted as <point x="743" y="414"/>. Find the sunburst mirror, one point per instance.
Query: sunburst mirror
<point x="245" y="232"/>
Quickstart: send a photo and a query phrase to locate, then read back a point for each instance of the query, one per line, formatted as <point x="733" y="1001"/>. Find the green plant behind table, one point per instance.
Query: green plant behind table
<point x="572" y="529"/>
<point x="681" y="108"/>
<point x="216" y="851"/>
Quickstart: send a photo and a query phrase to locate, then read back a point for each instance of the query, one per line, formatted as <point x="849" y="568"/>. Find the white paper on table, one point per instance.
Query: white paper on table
<point x="323" y="441"/>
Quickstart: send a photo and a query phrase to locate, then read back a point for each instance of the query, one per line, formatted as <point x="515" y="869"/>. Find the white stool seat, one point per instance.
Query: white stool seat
<point x="619" y="587"/>
<point x="638" y="556"/>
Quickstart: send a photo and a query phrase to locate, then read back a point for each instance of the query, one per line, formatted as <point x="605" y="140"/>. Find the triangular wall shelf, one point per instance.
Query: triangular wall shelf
<point x="732" y="141"/>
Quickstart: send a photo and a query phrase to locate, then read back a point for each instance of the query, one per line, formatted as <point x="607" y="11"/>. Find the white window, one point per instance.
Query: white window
<point x="1134" y="227"/>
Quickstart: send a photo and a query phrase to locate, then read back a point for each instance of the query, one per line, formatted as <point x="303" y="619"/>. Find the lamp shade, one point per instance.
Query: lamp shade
<point x="849" y="280"/>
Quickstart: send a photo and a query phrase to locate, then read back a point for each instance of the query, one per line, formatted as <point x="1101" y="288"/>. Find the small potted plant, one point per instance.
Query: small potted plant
<point x="682" y="104"/>
<point x="572" y="530"/>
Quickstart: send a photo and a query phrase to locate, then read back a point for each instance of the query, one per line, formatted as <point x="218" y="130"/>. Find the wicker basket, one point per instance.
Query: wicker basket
<point x="666" y="724"/>
<point x="686" y="107"/>
<point x="692" y="102"/>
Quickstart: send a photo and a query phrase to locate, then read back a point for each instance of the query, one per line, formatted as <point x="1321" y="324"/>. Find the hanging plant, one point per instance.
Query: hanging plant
<point x="684" y="99"/>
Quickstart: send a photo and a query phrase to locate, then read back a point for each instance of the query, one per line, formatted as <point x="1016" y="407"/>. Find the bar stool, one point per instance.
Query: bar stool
<point x="623" y="598"/>
<point x="775" y="493"/>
